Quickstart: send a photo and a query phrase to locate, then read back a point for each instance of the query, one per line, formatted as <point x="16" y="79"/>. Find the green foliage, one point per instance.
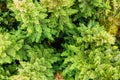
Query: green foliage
<point x="46" y="20"/>
<point x="7" y="19"/>
<point x="41" y="69"/>
<point x="8" y="47"/>
<point x="46" y="39"/>
<point x="90" y="55"/>
<point x="39" y="64"/>
<point x="39" y="59"/>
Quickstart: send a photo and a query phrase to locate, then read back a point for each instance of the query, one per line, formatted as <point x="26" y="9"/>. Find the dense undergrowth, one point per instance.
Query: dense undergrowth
<point x="59" y="40"/>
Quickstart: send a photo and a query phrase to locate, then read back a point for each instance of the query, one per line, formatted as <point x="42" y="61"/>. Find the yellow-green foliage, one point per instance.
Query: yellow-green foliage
<point x="91" y="55"/>
<point x="74" y="38"/>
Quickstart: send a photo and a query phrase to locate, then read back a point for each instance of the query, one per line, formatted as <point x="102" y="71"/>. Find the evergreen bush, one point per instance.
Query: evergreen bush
<point x="59" y="40"/>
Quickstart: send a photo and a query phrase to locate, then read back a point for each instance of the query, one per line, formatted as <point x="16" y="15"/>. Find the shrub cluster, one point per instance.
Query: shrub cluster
<point x="59" y="40"/>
